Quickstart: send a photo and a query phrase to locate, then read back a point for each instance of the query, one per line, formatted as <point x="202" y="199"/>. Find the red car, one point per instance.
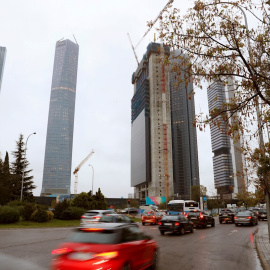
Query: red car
<point x="151" y="217"/>
<point x="106" y="246"/>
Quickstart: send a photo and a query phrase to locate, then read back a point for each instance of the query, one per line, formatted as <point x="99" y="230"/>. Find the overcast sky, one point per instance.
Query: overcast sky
<point x="29" y="30"/>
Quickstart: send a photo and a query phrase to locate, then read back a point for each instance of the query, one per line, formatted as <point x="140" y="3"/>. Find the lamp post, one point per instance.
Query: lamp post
<point x="24" y="164"/>
<point x="92" y="178"/>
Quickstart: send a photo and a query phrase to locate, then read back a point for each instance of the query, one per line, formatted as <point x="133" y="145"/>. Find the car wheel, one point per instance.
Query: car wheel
<point x="213" y="223"/>
<point x="126" y="267"/>
<point x="236" y="224"/>
<point x="220" y="221"/>
<point x="205" y="225"/>
<point x="162" y="232"/>
<point x="191" y="229"/>
<point x="143" y="223"/>
<point x="154" y="265"/>
<point x="182" y="231"/>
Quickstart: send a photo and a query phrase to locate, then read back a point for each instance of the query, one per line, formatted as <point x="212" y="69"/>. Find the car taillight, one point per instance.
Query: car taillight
<point x="235" y="217"/>
<point x="97" y="217"/>
<point x="201" y="216"/>
<point x="176" y="223"/>
<point x="186" y="214"/>
<point x="82" y="216"/>
<point x="61" y="251"/>
<point x="153" y="216"/>
<point x="248" y="217"/>
<point x="159" y="223"/>
<point x="92" y="229"/>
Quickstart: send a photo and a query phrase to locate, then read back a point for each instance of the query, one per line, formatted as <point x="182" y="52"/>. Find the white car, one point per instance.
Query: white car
<point x="93" y="216"/>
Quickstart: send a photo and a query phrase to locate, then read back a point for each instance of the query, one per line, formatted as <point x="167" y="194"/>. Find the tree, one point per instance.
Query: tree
<point x="84" y="200"/>
<point x="100" y="202"/>
<point x="197" y="192"/>
<point x="246" y="198"/>
<point x="218" y="45"/>
<point x="17" y="168"/>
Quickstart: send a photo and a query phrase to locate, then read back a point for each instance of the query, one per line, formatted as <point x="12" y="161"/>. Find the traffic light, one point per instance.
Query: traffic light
<point x="128" y="203"/>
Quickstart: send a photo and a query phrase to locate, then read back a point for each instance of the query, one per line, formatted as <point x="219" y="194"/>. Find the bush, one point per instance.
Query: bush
<point x="61" y="207"/>
<point x="50" y="215"/>
<point x="72" y="213"/>
<point x="40" y="215"/>
<point x="9" y="214"/>
<point x="27" y="211"/>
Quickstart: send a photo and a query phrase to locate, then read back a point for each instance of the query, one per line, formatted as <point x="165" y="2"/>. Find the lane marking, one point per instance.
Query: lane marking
<point x="232" y="232"/>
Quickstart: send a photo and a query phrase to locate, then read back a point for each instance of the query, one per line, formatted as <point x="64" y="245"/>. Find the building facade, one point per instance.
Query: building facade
<point x="3" y="52"/>
<point x="159" y="165"/>
<point x="59" y="140"/>
<point x="227" y="159"/>
<point x="184" y="135"/>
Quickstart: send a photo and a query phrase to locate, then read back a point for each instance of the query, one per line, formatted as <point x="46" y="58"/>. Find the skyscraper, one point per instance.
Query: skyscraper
<point x="59" y="141"/>
<point x="162" y="137"/>
<point x="3" y="52"/>
<point x="184" y="135"/>
<point x="227" y="159"/>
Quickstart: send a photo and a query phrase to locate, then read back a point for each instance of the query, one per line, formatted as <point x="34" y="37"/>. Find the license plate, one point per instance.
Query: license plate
<point x="167" y="223"/>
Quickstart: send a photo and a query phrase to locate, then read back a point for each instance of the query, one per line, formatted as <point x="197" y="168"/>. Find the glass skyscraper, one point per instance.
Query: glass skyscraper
<point x="3" y="52"/>
<point x="59" y="141"/>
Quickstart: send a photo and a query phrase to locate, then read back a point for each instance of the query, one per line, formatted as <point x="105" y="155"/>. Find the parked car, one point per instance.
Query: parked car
<point x="262" y="214"/>
<point x="226" y="215"/>
<point x="131" y="211"/>
<point x="150" y="217"/>
<point x="255" y="211"/>
<point x="116" y="218"/>
<point x="245" y="218"/>
<point x="106" y="246"/>
<point x="201" y="218"/>
<point x="176" y="224"/>
<point x="93" y="216"/>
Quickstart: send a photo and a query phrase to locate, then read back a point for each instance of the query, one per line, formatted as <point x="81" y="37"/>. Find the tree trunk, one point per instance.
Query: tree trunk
<point x="267" y="196"/>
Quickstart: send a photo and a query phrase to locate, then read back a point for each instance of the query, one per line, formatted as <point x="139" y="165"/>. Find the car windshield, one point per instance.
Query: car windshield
<point x="90" y="214"/>
<point x="149" y="214"/>
<point x="245" y="213"/>
<point x="262" y="211"/>
<point x="106" y="219"/>
<point x="102" y="237"/>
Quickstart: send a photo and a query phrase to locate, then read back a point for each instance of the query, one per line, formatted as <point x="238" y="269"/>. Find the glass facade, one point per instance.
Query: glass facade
<point x="184" y="136"/>
<point x="3" y="52"/>
<point x="58" y="152"/>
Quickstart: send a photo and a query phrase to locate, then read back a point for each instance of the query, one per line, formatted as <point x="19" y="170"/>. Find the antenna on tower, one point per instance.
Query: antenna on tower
<point x="75" y="39"/>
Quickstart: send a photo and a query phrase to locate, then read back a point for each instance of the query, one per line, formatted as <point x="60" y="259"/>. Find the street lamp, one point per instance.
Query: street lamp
<point x="24" y="164"/>
<point x="92" y="178"/>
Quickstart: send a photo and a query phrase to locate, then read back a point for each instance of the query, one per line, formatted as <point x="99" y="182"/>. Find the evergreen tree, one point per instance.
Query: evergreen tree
<point x="19" y="168"/>
<point x="100" y="200"/>
<point x="5" y="181"/>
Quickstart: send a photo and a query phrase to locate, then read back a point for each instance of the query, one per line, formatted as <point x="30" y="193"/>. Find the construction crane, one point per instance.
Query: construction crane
<point x="164" y="100"/>
<point x="77" y="170"/>
<point x="148" y="30"/>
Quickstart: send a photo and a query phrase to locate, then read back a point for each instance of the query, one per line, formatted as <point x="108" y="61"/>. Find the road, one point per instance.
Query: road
<point x="222" y="247"/>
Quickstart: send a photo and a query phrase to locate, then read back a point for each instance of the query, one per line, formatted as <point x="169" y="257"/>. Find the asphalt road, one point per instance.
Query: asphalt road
<point x="222" y="247"/>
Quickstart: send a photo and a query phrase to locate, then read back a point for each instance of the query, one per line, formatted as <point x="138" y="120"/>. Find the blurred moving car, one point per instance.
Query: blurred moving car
<point x="226" y="215"/>
<point x="262" y="214"/>
<point x="93" y="216"/>
<point x="255" y="211"/>
<point x="131" y="211"/>
<point x="150" y="217"/>
<point x="176" y="224"/>
<point x="245" y="218"/>
<point x="200" y="218"/>
<point x="106" y="246"/>
<point x="116" y="218"/>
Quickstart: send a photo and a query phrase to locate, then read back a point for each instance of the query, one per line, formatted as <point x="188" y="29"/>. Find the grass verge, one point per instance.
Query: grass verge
<point x="32" y="224"/>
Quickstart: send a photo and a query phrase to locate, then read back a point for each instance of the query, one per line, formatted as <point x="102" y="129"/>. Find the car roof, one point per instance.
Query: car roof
<point x="106" y="226"/>
<point x="100" y="211"/>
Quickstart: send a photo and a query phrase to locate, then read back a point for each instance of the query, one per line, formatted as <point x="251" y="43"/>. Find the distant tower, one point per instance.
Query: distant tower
<point x="184" y="135"/>
<point x="58" y="152"/>
<point x="227" y="159"/>
<point x="3" y="52"/>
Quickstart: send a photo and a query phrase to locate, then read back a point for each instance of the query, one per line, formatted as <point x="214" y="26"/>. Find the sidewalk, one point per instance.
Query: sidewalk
<point x="263" y="245"/>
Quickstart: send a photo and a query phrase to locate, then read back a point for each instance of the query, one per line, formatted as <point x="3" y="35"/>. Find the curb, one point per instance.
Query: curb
<point x="262" y="258"/>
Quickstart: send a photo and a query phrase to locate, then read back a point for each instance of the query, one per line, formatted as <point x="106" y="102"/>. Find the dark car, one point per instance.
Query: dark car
<point x="255" y="212"/>
<point x="262" y="214"/>
<point x="245" y="218"/>
<point x="116" y="218"/>
<point x="106" y="246"/>
<point x="131" y="211"/>
<point x="176" y="224"/>
<point x="226" y="215"/>
<point x="200" y="218"/>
